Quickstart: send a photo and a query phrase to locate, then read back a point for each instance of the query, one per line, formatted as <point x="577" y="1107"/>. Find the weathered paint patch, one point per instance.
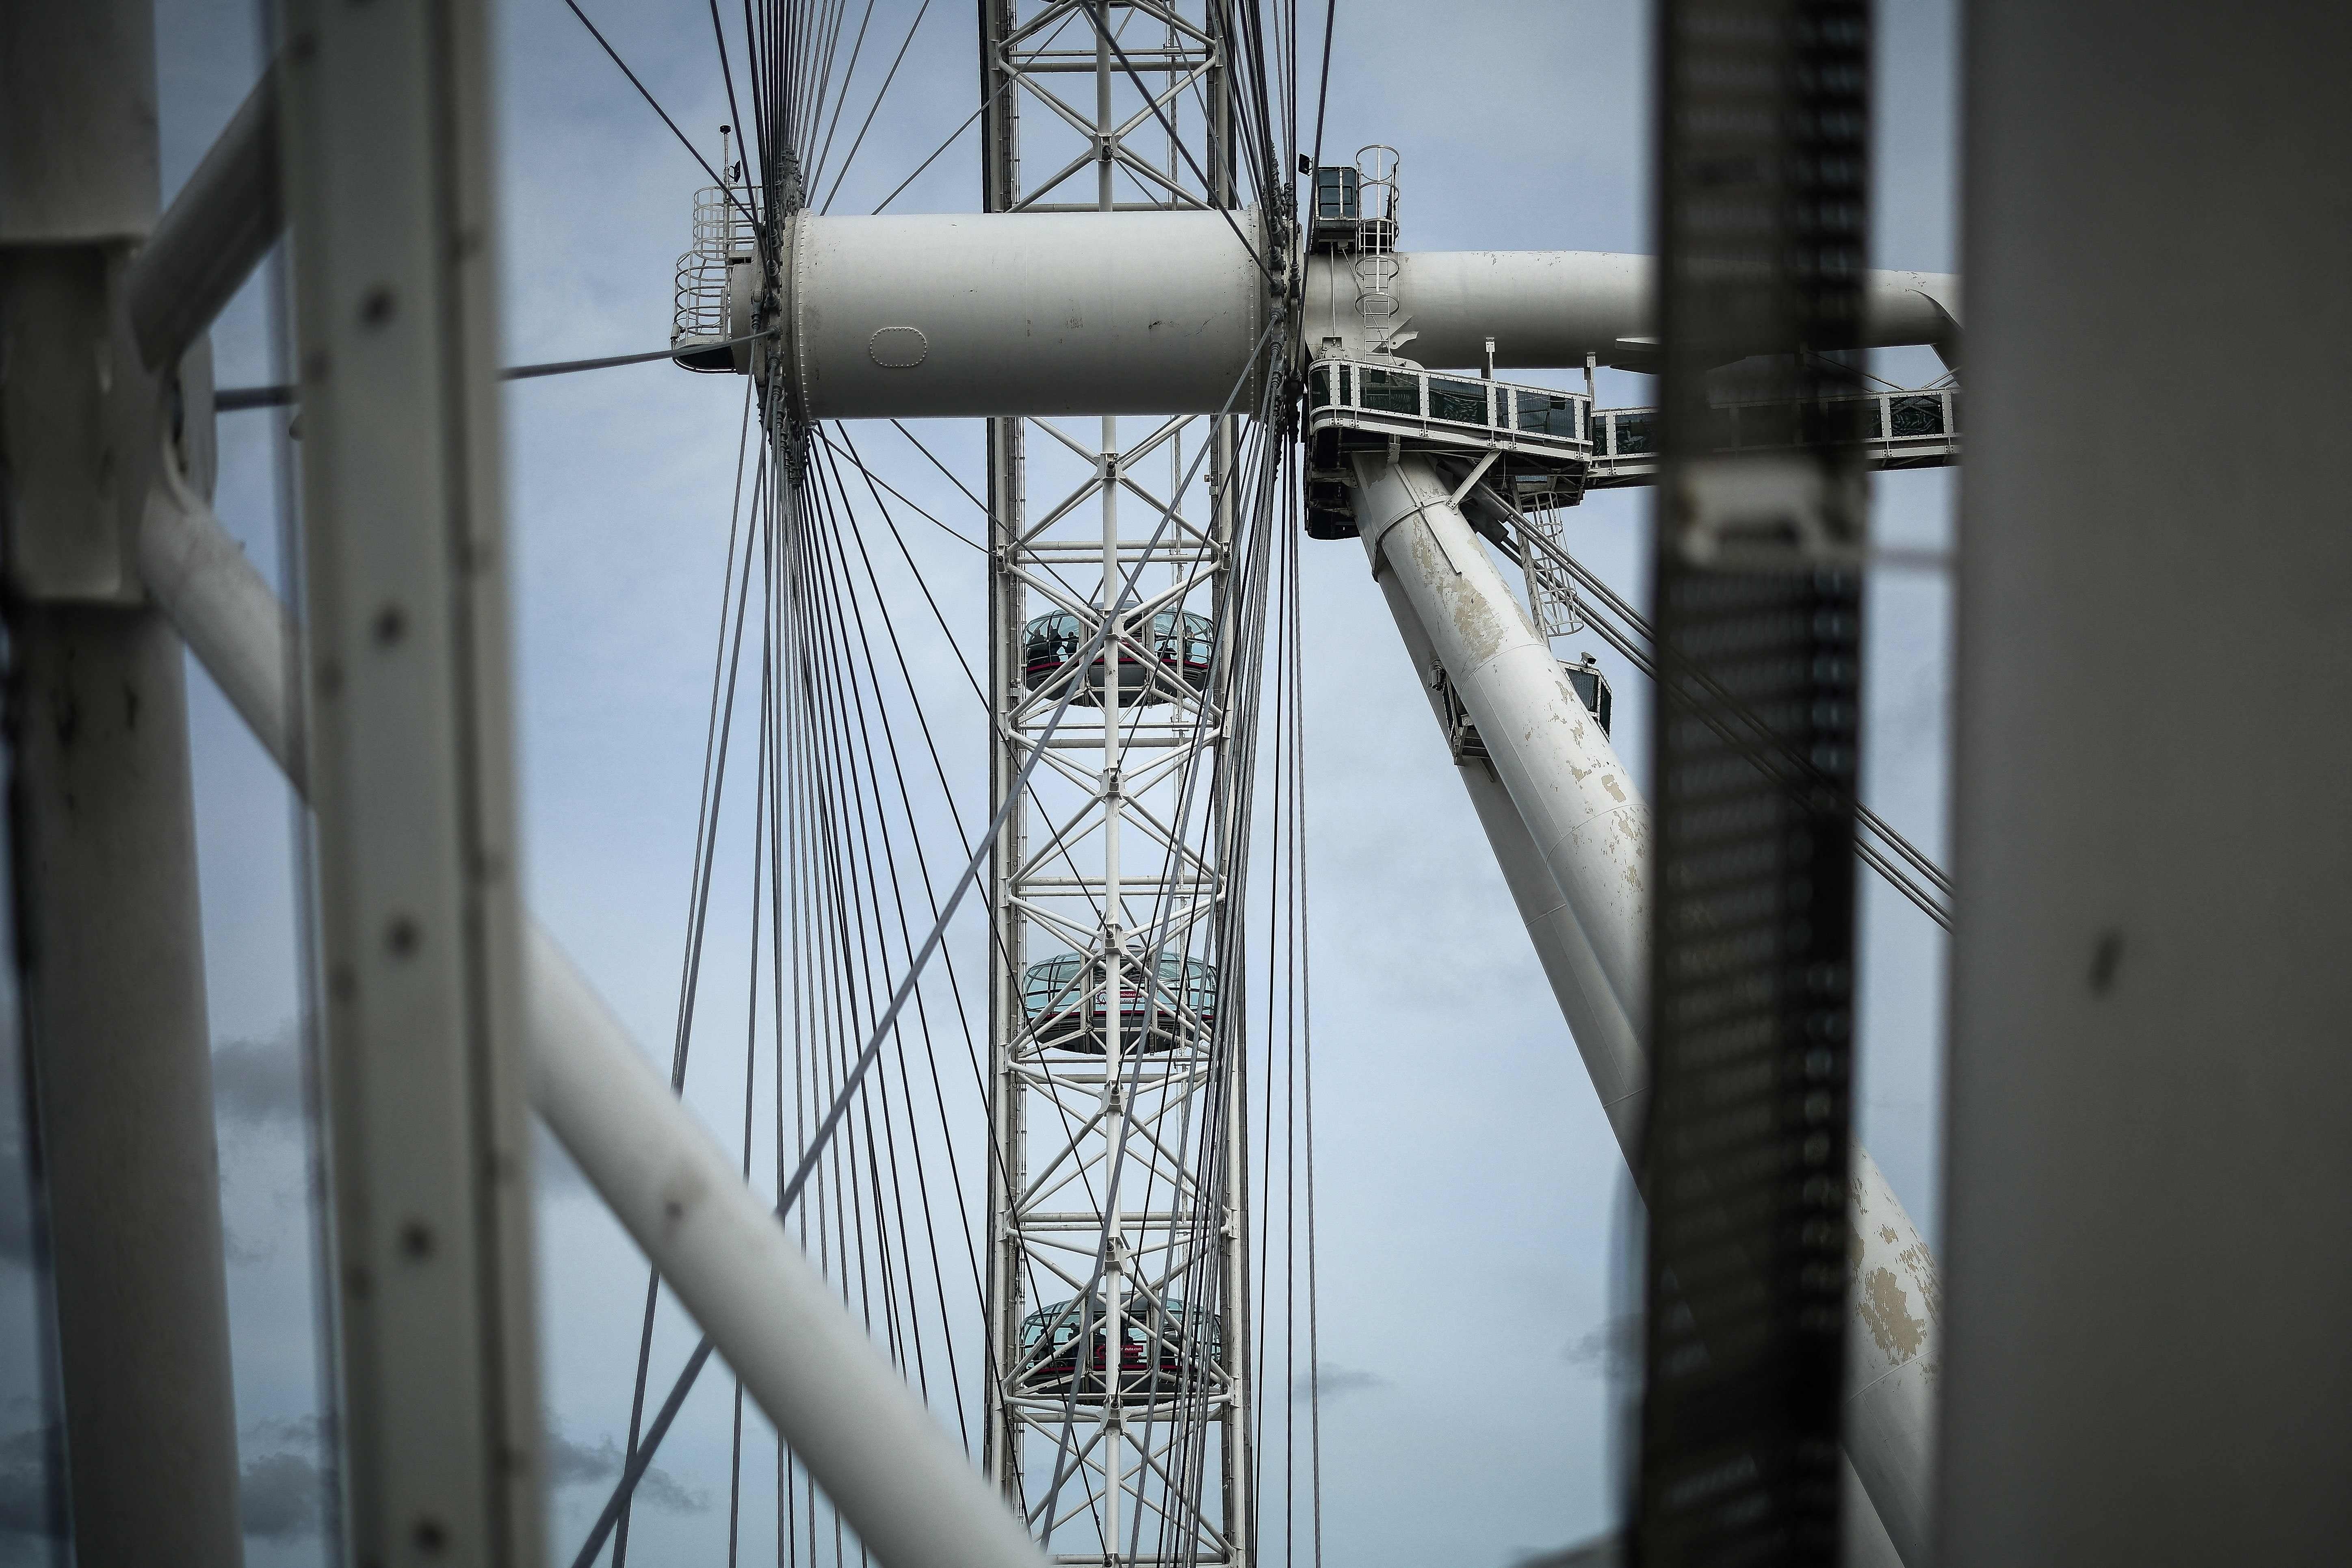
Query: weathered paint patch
<point x="1885" y="1311"/>
<point x="1921" y="1267"/>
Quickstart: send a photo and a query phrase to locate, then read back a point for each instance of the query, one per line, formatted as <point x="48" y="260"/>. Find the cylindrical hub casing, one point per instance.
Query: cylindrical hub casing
<point x="953" y="315"/>
<point x="1547" y="308"/>
<point x="1024" y="313"/>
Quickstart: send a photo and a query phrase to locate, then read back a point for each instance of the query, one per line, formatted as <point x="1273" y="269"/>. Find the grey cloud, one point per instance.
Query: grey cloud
<point x="1337" y="1382"/>
<point x="282" y="1496"/>
<point x="1612" y="1350"/>
<point x="284" y="1493"/>
<point x="260" y="1082"/>
<point x="307" y="1430"/>
<point x="258" y="1085"/>
<point x="578" y="1464"/>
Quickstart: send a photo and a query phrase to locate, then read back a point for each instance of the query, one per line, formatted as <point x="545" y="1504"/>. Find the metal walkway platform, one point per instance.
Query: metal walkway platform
<point x="1551" y="447"/>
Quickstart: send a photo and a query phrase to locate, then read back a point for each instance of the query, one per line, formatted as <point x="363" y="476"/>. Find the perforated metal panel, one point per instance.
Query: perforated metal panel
<point x="1763" y="161"/>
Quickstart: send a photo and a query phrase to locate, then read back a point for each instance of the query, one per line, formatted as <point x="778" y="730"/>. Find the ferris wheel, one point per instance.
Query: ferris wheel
<point x="1162" y="238"/>
<point x="1196" y="340"/>
<point x="1037" y="1317"/>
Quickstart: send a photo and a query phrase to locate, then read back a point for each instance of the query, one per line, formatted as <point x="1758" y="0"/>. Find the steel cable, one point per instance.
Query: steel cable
<point x="1636" y="642"/>
<point x="856" y="1071"/>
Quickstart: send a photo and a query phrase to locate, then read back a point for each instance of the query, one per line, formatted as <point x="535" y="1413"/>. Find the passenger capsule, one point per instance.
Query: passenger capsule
<point x="1063" y="999"/>
<point x="1165" y="1347"/>
<point x="1180" y="644"/>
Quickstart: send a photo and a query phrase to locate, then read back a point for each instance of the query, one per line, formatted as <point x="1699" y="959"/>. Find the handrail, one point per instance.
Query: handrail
<point x="1901" y="417"/>
<point x="1492" y="409"/>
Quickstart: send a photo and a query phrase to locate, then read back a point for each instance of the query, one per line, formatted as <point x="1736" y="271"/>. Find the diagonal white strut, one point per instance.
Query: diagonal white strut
<point x="1578" y="858"/>
<point x="887" y="1464"/>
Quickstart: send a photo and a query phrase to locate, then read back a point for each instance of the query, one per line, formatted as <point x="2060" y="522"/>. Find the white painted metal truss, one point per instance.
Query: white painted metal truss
<point x="1117" y="1210"/>
<point x="1039" y="53"/>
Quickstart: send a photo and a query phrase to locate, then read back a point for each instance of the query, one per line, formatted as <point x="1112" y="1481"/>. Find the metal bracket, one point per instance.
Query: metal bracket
<point x="78" y="417"/>
<point x="1464" y="488"/>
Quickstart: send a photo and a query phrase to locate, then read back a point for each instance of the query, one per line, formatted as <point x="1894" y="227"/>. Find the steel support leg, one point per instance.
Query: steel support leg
<point x="1578" y="879"/>
<point x="101" y="814"/>
<point x="114" y="996"/>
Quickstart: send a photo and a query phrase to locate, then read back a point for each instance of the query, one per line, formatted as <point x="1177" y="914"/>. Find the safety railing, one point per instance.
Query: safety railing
<point x="1899" y="429"/>
<point x="1556" y="445"/>
<point x="1399" y="400"/>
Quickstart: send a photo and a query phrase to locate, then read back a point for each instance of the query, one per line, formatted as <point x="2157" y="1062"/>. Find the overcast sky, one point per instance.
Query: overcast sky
<point x="1469" y="1187"/>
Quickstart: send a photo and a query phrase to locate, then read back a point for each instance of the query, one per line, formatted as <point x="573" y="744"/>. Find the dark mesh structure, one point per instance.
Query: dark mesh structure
<point x="1764" y="112"/>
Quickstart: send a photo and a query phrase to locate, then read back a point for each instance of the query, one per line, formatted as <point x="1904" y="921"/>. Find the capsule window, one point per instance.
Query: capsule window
<point x="1336" y="194"/>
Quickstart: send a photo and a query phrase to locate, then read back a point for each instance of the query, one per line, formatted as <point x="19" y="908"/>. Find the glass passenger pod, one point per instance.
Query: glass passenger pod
<point x="1166" y="1347"/>
<point x="1061" y="997"/>
<point x="1179" y="642"/>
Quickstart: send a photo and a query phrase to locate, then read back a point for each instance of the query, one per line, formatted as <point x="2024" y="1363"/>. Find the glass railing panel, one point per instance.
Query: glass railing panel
<point x="1458" y="402"/>
<point x="1388" y="391"/>
<point x="1539" y="413"/>
<point x="1920" y="416"/>
<point x="1322" y="386"/>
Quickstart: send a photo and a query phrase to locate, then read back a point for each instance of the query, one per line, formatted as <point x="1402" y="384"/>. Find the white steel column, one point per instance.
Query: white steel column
<point x="101" y="822"/>
<point x="1615" y="1061"/>
<point x="1582" y="822"/>
<point x="1001" y="1441"/>
<point x="2151" y="1107"/>
<point x="1114" y="861"/>
<point x="405" y="670"/>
